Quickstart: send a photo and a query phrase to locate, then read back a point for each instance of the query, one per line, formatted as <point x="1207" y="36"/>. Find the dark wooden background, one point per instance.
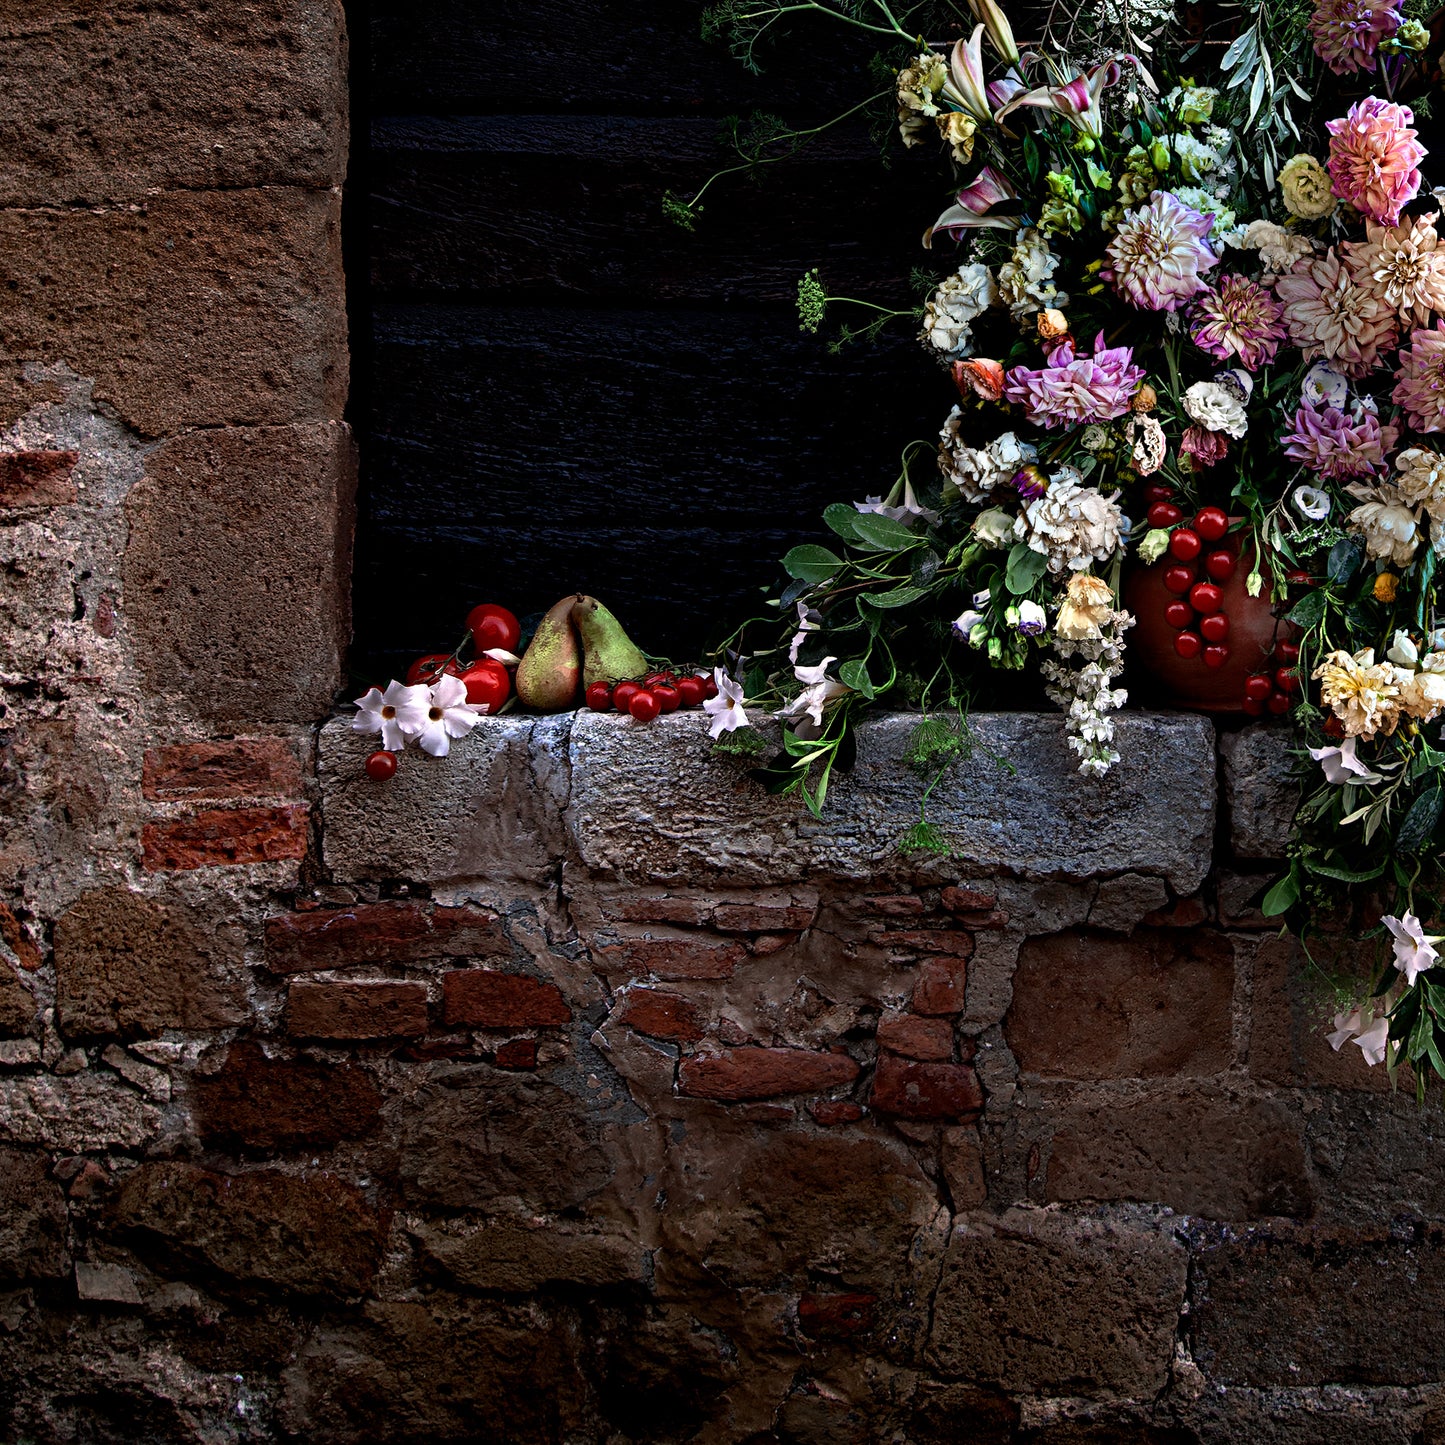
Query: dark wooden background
<point x="556" y="389"/>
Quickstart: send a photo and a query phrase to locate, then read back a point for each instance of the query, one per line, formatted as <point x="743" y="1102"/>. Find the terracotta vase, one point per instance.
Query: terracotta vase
<point x="1156" y="673"/>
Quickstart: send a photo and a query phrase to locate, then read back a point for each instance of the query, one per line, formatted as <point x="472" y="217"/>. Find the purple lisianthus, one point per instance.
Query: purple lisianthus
<point x="1072" y="391"/>
<point x="1240" y="320"/>
<point x="1338" y="445"/>
<point x="1156" y="258"/>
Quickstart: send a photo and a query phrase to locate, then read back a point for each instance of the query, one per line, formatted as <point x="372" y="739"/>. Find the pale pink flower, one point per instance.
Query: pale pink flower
<point x="1374" y="158"/>
<point x="1414" y="948"/>
<point x="1338" y="445"/>
<point x="1156" y="257"/>
<point x="1329" y="315"/>
<point x="1404" y="266"/>
<point x="1348" y="32"/>
<point x="1240" y="320"/>
<point x="1420" y="384"/>
<point x="1342" y="766"/>
<point x="1346" y="1027"/>
<point x="974" y="206"/>
<point x="1072" y="391"/>
<point x="1204" y="446"/>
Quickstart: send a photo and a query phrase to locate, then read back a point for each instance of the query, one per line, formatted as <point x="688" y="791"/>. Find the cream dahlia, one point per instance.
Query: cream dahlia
<point x="1329" y="315"/>
<point x="1375" y="158"/>
<point x="1238" y="320"/>
<point x="1360" y="692"/>
<point x="1348" y="32"/>
<point x="1404" y="266"/>
<point x="1420" y="384"/>
<point x="1278" y="248"/>
<point x="1156" y="258"/>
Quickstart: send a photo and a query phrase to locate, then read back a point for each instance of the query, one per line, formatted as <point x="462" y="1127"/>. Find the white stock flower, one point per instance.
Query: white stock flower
<point x="974" y="472"/>
<point x="1421" y="479"/>
<point x="397" y="714"/>
<point x="1217" y="407"/>
<point x="1025" y="283"/>
<point x="959" y="300"/>
<point x="1414" y="950"/>
<point x="726" y="709"/>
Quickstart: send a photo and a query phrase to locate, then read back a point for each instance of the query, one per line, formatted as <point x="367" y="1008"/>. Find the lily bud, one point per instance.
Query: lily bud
<point x="1145" y="399"/>
<point x="999" y="30"/>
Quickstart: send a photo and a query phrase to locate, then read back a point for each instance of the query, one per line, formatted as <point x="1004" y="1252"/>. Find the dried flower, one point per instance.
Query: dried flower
<point x="959" y="300"/>
<point x="1388" y="524"/>
<point x="1421" y="480"/>
<point x="1073" y="390"/>
<point x="980" y="376"/>
<point x="1025" y="280"/>
<point x="1072" y="525"/>
<point x="1217" y="407"/>
<point x="1155" y="260"/>
<point x="1386" y="585"/>
<point x="1240" y="319"/>
<point x="958" y="129"/>
<point x="1348" y="32"/>
<point x="1086" y="609"/>
<point x="1145" y="399"/>
<point x="1329" y="315"/>
<point x="1360" y="693"/>
<point x="1203" y="446"/>
<point x="919" y="84"/>
<point x="974" y="472"/>
<point x="1420" y="381"/>
<point x="1374" y="158"/>
<point x="1151" y="446"/>
<point x="1278" y="248"/>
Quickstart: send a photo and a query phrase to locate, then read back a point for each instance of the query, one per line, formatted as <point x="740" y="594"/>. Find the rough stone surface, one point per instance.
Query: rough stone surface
<point x="226" y="838"/>
<point x="17" y="1004"/>
<point x="130" y="964"/>
<point x="88" y="1111"/>
<point x="501" y="1254"/>
<point x="1259" y="796"/>
<point x="37" y="479"/>
<point x="1035" y="1301"/>
<point x="32" y="1219"/>
<point x="193" y="588"/>
<point x="916" y="1038"/>
<point x="378" y="1010"/>
<point x="909" y="1090"/>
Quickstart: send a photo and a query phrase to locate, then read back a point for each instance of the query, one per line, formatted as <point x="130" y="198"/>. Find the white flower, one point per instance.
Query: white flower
<point x="1403" y="650"/>
<point x="904" y="512"/>
<point x="960" y="299"/>
<point x="1312" y="503"/>
<point x="1346" y="1027"/>
<point x="1389" y="526"/>
<point x="1217" y="407"/>
<point x="1341" y="765"/>
<point x="965" y="622"/>
<point x="397" y="714"/>
<point x="1414" y="952"/>
<point x="1154" y="545"/>
<point x="1071" y="525"/>
<point x="1373" y="1041"/>
<point x="993" y="528"/>
<point x="975" y="471"/>
<point x="1025" y="282"/>
<point x="818" y="690"/>
<point x="1422" y="479"/>
<point x="1324" y="387"/>
<point x="448" y="715"/>
<point x="805" y="626"/>
<point x="1032" y="619"/>
<point x="726" y="709"/>
<point x="1278" y="248"/>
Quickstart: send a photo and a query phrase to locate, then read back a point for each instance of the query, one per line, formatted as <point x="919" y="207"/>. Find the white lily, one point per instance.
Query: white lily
<point x="1342" y="766"/>
<point x="726" y="709"/>
<point x="1414" y="948"/>
<point x="973" y="204"/>
<point x="448" y="715"/>
<point x="1077" y="100"/>
<point x="1000" y="32"/>
<point x="397" y="714"/>
<point x="965" y="85"/>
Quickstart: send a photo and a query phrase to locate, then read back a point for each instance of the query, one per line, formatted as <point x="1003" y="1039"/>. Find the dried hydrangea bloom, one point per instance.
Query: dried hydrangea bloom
<point x="1348" y="33"/>
<point x="1421" y="480"/>
<point x="1329" y="315"/>
<point x="1387" y="523"/>
<point x="1279" y="250"/>
<point x="1375" y="158"/>
<point x="1360" y="692"/>
<point x="1420" y="384"/>
<point x="1239" y="320"/>
<point x="1156" y="259"/>
<point x="975" y="472"/>
<point x="1337" y="445"/>
<point x="1404" y="266"/>
<point x="1071" y="525"/>
<point x="959" y="300"/>
<point x="1072" y="391"/>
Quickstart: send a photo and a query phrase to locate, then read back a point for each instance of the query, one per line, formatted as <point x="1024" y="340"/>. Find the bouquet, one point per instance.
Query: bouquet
<point x="1194" y="314"/>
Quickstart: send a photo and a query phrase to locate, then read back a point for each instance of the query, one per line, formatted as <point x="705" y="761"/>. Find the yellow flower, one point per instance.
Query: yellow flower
<point x="958" y="130"/>
<point x="1386" y="585"/>
<point x="1086" y="608"/>
<point x="1305" y="186"/>
<point x="1362" y="694"/>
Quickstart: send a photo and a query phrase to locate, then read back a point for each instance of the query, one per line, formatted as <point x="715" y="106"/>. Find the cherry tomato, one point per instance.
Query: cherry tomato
<point x="599" y="696"/>
<point x="1187" y="644"/>
<point x="709" y="685"/>
<point x="690" y="690"/>
<point x="643" y="705"/>
<point x="1286" y="679"/>
<point x="1279" y="703"/>
<point x="1216" y="655"/>
<point x="1257" y="687"/>
<point x="1185" y="544"/>
<point x="1179" y="614"/>
<point x="1157" y="492"/>
<point x="493" y="626"/>
<point x="1179" y="579"/>
<point x="1287" y="652"/>
<point x="1253" y="707"/>
<point x="658" y="679"/>
<point x="487" y="683"/>
<point x="1164" y="514"/>
<point x="1215" y="627"/>
<point x="427" y="669"/>
<point x="669" y="699"/>
<point x="381" y="766"/>
<point x="1205" y="597"/>
<point x="1220" y="565"/>
<point x="1211" y="523"/>
<point x="623" y="694"/>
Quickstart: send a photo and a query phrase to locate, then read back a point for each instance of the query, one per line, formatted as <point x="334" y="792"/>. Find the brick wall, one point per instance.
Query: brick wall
<point x="571" y="1089"/>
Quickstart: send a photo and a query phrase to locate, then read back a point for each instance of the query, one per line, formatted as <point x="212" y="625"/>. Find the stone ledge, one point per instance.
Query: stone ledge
<point x="654" y="803"/>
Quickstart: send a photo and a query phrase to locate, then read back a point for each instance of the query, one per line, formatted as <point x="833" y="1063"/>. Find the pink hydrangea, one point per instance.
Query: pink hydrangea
<point x="1329" y="315"/>
<point x="1420" y="384"/>
<point x="1071" y="391"/>
<point x="1155" y="259"/>
<point x="1375" y="158"/>
<point x="1337" y="445"/>
<point x="1348" y="32"/>
<point x="1238" y="321"/>
<point x="1204" y="446"/>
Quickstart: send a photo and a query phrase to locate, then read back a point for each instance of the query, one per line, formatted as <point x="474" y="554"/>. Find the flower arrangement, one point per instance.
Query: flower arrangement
<point x="1194" y="313"/>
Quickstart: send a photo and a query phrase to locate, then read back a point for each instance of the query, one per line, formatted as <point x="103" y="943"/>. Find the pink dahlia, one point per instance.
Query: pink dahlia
<point x="1205" y="446"/>
<point x="1239" y="320"/>
<point x="1374" y="159"/>
<point x="1071" y="391"/>
<point x="1337" y="445"/>
<point x="1328" y="315"/>
<point x="1348" y="32"/>
<point x="1420" y="387"/>
<point x="1158" y="253"/>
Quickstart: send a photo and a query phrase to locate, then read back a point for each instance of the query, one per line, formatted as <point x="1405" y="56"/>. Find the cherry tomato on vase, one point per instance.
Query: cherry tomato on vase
<point x="1179" y="579"/>
<point x="1185" y="544"/>
<point x="1220" y="566"/>
<point x="1215" y="627"/>
<point x="1164" y="514"/>
<point x="1187" y="644"/>
<point x="1257" y="687"/>
<point x="1211" y="523"/>
<point x="1179" y="614"/>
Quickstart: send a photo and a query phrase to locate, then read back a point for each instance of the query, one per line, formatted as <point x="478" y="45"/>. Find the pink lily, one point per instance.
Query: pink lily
<point x="1077" y="100"/>
<point x="1000" y="92"/>
<point x="999" y="30"/>
<point x="987" y="190"/>
<point x="965" y="85"/>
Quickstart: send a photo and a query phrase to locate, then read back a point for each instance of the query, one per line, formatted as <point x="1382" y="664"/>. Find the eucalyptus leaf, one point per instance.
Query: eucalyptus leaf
<point x="1309" y="611"/>
<point x="1345" y="558"/>
<point x="1420" y="822"/>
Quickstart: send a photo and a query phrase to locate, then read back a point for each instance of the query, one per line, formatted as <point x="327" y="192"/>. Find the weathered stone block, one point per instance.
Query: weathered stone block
<point x="1199" y="1151"/>
<point x="1121" y="903"/>
<point x="661" y="1015"/>
<point x="761" y="1073"/>
<point x="1045" y="1303"/>
<point x="516" y="1257"/>
<point x="1041" y="819"/>
<point x="106" y="1283"/>
<point x="37" y="479"/>
<point x="941" y="988"/>
<point x="226" y="838"/>
<point x="194" y="309"/>
<point x="1090" y="1006"/>
<point x="916" y="1038"/>
<point x="17" y="1004"/>
<point x="122" y="102"/>
<point x="486" y="999"/>
<point x="910" y="943"/>
<point x="908" y="1090"/>
<point x="243" y="768"/>
<point x="81" y="1112"/>
<point x="129" y="964"/>
<point x="516" y="1054"/>
<point x="381" y="933"/>
<point x="314" y="1236"/>
<point x="253" y="1102"/>
<point x="381" y="1009"/>
<point x="673" y="959"/>
<point x="195" y="591"/>
<point x="1377" y="1157"/>
<point x="32" y="1218"/>
<point x="1260" y="797"/>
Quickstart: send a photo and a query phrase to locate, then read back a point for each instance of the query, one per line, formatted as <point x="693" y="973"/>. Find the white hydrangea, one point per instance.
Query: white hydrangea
<point x="1025" y="283"/>
<point x="959" y="300"/>
<point x="1072" y="525"/>
<point x="973" y="472"/>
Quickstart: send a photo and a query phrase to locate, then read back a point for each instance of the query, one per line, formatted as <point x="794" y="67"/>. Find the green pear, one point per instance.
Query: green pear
<point x="549" y="671"/>
<point x="608" y="653"/>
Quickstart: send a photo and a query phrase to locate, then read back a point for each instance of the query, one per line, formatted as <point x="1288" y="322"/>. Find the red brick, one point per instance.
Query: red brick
<point x="760" y="1073"/>
<point x="951" y="941"/>
<point x="384" y="1010"/>
<point x="993" y="920"/>
<point x="766" y="943"/>
<point x="967" y="900"/>
<point x="675" y="958"/>
<point x="661" y="1015"/>
<point x="1186" y="913"/>
<point x="37" y="479"/>
<point x="396" y="932"/>
<point x="17" y="940"/>
<point x="244" y="768"/>
<point x="940" y="987"/>
<point x="908" y="1090"/>
<point x="900" y="905"/>
<point x="517" y="1054"/>
<point x="763" y="917"/>
<point x="917" y="1038"/>
<point x="836" y="1316"/>
<point x="224" y="837"/>
<point x="696" y="911"/>
<point x="829" y="1112"/>
<point x="483" y="998"/>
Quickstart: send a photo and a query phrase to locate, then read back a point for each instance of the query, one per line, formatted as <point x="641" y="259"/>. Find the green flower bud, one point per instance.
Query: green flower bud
<point x="1159" y="156"/>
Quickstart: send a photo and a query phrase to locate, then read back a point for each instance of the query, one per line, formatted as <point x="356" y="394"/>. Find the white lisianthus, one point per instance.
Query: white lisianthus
<point x="1032" y="619"/>
<point x="1311" y="503"/>
<point x="993" y="528"/>
<point x="965" y="622"/>
<point x="1217" y="407"/>
<point x="1325" y="387"/>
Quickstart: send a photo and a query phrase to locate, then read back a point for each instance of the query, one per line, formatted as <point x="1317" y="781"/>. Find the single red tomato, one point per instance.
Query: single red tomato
<point x="1205" y="597"/>
<point x="1257" y="687"/>
<point x="643" y="705"/>
<point x="381" y="766"/>
<point x="427" y="669"/>
<point x="1187" y="644"/>
<point x="1215" y="627"/>
<point x="1157" y="492"/>
<point x="1216" y="655"/>
<point x="690" y="690"/>
<point x="1164" y="514"/>
<point x="623" y="694"/>
<point x="658" y="679"/>
<point x="709" y="685"/>
<point x="1211" y="523"/>
<point x="1287" y="652"/>
<point x="1253" y="707"/>
<point x="1179" y="579"/>
<point x="599" y="696"/>
<point x="1220" y="566"/>
<point x="1179" y="614"/>
<point x="488" y="683"/>
<point x="1286" y="679"/>
<point x="493" y="626"/>
<point x="1185" y="544"/>
<point x="669" y="699"/>
<point x="1279" y="703"/>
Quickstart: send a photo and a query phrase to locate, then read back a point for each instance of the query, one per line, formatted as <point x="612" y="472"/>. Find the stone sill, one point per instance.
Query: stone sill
<point x="522" y="795"/>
